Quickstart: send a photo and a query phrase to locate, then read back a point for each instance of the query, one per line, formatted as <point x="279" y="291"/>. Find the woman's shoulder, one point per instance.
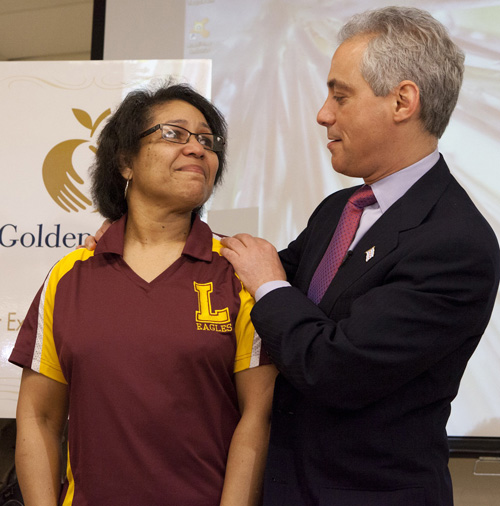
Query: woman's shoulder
<point x="68" y="261"/>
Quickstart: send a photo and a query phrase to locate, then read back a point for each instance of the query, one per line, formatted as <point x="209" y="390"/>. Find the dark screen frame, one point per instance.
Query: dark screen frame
<point x="98" y="27"/>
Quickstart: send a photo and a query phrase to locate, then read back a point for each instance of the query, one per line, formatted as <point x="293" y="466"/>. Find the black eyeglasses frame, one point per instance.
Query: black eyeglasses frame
<point x="219" y="141"/>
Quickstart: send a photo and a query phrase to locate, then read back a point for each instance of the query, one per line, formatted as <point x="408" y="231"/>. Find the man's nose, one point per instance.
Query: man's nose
<point x="326" y="115"/>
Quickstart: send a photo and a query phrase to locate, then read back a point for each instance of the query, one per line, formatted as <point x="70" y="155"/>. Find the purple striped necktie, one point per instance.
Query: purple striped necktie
<point x="341" y="240"/>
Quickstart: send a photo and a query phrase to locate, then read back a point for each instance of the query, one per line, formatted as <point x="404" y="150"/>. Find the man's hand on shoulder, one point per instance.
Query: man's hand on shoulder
<point x="255" y="260"/>
<point x="91" y="241"/>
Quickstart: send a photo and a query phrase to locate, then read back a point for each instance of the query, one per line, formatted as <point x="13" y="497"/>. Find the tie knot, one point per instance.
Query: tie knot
<point x="363" y="197"/>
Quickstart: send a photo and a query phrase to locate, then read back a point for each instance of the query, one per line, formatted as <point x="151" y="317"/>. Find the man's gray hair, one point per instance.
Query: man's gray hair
<point x="409" y="44"/>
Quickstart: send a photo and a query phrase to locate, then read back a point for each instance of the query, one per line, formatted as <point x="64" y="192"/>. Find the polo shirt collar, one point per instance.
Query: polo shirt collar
<point x="198" y="244"/>
<point x="199" y="241"/>
<point x="112" y="240"/>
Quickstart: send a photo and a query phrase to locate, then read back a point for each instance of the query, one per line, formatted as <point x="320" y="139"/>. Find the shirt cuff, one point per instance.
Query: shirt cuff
<point x="269" y="287"/>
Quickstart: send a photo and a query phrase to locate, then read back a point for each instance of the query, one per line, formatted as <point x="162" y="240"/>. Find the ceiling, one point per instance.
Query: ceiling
<point x="45" y="29"/>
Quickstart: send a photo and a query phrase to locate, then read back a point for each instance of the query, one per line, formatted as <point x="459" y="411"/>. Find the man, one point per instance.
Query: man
<point x="369" y="368"/>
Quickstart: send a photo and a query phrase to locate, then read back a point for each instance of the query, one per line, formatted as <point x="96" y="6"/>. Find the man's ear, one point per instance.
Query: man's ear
<point x="407" y="104"/>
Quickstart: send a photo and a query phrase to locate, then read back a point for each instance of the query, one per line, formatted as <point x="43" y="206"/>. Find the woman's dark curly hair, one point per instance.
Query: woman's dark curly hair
<point x="119" y="141"/>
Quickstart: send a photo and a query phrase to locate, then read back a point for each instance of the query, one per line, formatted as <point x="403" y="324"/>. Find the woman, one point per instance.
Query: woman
<point x="146" y="342"/>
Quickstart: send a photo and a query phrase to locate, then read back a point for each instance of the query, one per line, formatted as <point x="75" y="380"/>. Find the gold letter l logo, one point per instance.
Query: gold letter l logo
<point x="205" y="313"/>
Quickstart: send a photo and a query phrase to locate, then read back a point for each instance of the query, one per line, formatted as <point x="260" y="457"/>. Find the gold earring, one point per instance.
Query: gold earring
<point x="126" y="189"/>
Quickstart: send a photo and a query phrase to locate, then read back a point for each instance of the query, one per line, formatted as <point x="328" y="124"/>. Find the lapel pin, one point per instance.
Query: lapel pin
<point x="370" y="253"/>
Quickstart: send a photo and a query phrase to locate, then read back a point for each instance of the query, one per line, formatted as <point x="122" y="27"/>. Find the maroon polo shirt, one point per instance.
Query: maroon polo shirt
<point x="150" y="370"/>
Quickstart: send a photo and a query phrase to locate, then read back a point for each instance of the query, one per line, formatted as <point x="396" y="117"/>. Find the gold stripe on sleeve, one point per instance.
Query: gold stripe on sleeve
<point x="45" y="358"/>
<point x="248" y="343"/>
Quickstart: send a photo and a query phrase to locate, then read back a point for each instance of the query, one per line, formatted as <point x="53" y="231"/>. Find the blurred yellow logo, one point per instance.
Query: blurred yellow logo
<point x="199" y="28"/>
<point x="59" y="174"/>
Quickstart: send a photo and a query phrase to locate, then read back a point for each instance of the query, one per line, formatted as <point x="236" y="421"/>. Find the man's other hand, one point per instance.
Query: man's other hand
<point x="91" y="241"/>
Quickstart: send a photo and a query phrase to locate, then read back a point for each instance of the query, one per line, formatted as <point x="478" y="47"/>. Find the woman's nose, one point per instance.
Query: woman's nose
<point x="193" y="146"/>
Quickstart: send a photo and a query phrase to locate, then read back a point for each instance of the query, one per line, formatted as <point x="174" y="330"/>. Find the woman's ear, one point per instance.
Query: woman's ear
<point x="126" y="168"/>
<point x="407" y="102"/>
<point x="127" y="173"/>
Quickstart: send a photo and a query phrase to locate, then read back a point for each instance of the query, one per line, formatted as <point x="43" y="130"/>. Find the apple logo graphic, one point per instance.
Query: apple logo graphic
<point x="59" y="175"/>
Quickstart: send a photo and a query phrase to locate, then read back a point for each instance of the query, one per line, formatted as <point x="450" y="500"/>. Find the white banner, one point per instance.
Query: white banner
<point x="52" y="113"/>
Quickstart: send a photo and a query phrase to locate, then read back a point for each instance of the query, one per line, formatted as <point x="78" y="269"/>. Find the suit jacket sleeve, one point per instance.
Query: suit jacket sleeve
<point x="424" y="299"/>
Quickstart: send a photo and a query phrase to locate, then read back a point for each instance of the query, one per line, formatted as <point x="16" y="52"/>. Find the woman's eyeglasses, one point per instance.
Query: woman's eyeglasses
<point x="179" y="135"/>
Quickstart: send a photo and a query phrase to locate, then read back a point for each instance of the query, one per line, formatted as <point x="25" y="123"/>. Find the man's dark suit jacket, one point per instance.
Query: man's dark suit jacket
<point x="367" y="377"/>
